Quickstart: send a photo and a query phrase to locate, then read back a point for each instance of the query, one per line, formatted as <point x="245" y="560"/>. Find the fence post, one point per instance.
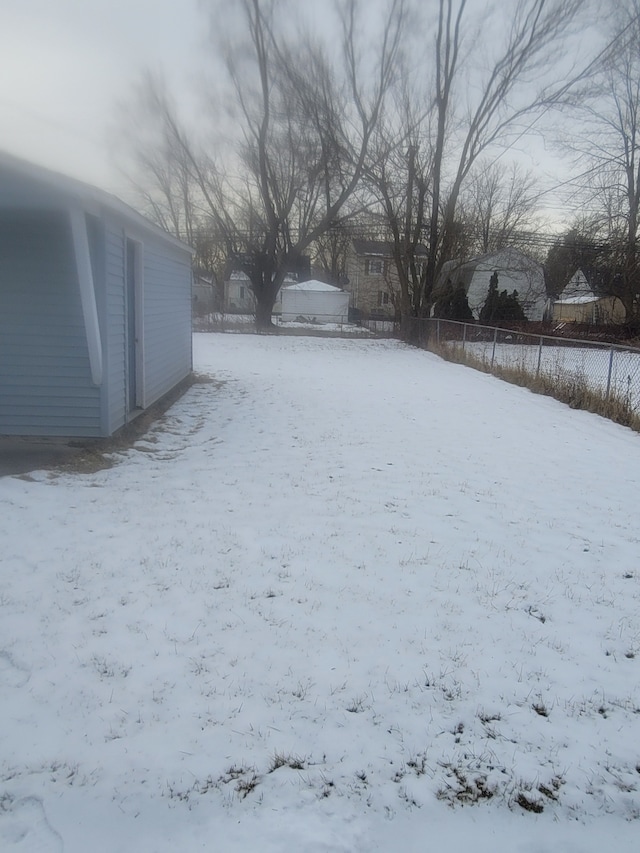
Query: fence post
<point x="495" y="338"/>
<point x="539" y="357"/>
<point x="610" y="372"/>
<point x="464" y="335"/>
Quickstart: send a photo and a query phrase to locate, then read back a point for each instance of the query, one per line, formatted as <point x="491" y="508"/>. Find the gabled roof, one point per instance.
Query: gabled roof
<point x="577" y="289"/>
<point x="379" y="248"/>
<point x="85" y="194"/>
<point x="462" y="271"/>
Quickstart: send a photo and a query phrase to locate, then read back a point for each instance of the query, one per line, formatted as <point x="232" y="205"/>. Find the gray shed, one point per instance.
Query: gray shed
<point x="95" y="307"/>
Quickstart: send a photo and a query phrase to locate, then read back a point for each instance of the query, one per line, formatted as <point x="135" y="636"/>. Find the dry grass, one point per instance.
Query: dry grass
<point x="574" y="391"/>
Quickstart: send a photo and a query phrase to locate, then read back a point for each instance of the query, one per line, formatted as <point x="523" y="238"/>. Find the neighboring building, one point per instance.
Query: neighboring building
<point x="579" y="303"/>
<point x="238" y="295"/>
<point x="515" y="270"/>
<point x="95" y="307"/>
<point x="315" y="301"/>
<point x="203" y="295"/>
<point x="373" y="277"/>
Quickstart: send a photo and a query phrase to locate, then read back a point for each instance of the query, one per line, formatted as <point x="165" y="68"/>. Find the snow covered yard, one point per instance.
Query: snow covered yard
<point x="354" y="598"/>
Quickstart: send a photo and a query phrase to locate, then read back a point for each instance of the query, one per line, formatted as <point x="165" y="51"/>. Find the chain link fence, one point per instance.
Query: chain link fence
<point x="610" y="370"/>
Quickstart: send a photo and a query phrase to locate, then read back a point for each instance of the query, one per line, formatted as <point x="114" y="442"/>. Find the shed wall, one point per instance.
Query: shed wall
<point x="167" y="354"/>
<point x="321" y="306"/>
<point x="45" y="377"/>
<point x="164" y="325"/>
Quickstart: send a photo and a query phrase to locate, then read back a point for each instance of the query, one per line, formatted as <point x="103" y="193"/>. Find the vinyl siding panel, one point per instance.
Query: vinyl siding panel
<point x="167" y="318"/>
<point x="45" y="377"/>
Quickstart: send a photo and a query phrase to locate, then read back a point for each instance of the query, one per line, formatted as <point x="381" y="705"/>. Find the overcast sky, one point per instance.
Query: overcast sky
<point x="65" y="65"/>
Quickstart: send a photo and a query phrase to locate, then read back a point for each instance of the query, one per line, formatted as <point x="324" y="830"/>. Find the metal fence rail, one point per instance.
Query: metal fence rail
<point x="609" y="369"/>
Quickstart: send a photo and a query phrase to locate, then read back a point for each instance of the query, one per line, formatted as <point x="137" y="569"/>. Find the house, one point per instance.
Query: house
<point x="204" y="295"/>
<point x="315" y="301"/>
<point x="515" y="270"/>
<point x="579" y="303"/>
<point x="95" y="307"/>
<point x="238" y="296"/>
<point x="373" y="277"/>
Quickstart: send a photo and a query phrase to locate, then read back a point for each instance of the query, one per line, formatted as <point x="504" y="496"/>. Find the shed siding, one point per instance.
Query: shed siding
<point x="167" y="318"/>
<point x="45" y="377"/>
<point x="115" y="325"/>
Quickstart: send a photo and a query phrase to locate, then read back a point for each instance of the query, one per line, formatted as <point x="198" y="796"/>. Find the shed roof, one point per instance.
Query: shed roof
<point x="313" y="285"/>
<point x="86" y="194"/>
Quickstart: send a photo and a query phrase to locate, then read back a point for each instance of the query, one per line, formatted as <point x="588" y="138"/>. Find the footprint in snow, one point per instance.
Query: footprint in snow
<point x="11" y="673"/>
<point x="24" y="828"/>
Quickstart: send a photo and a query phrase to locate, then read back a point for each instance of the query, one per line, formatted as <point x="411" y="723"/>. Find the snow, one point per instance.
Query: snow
<point x="585" y="299"/>
<point x="328" y="603"/>
<point x="598" y="366"/>
<point x="313" y="286"/>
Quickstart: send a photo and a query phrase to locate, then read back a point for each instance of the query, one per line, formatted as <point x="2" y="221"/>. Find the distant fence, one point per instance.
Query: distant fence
<point x="218" y="322"/>
<point x="610" y="369"/>
<point x="382" y="327"/>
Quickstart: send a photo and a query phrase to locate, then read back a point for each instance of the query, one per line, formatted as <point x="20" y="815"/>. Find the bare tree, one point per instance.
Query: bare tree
<point x="330" y="252"/>
<point x="479" y="98"/>
<point x="607" y="140"/>
<point x="160" y="175"/>
<point x="498" y="204"/>
<point x="304" y="132"/>
<point x="400" y="177"/>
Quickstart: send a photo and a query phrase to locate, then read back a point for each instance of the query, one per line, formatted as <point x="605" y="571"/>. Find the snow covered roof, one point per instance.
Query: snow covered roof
<point x="313" y="285"/>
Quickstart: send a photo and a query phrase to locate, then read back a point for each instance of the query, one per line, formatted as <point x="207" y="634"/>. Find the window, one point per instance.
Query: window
<point x="374" y="266"/>
<point x="383" y="298"/>
<point x="241" y="292"/>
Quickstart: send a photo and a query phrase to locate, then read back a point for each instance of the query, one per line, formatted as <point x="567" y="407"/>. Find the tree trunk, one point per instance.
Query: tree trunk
<point x="265" y="301"/>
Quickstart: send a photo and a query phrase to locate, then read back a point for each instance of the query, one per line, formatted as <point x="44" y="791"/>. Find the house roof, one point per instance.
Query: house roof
<point x="379" y="248"/>
<point x="507" y="260"/>
<point x="313" y="285"/>
<point x="86" y="194"/>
